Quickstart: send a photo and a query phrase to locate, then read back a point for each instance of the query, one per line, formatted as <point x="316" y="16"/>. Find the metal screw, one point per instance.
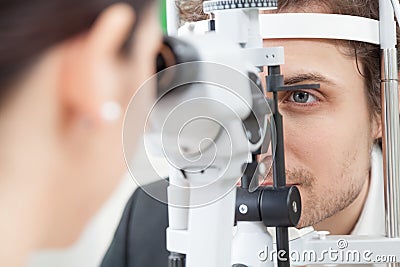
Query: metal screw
<point x="243" y="209"/>
<point x="322" y="234"/>
<point x="294" y="206"/>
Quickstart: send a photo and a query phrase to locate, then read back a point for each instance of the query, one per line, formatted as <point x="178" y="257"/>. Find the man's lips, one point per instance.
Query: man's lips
<point x="269" y="182"/>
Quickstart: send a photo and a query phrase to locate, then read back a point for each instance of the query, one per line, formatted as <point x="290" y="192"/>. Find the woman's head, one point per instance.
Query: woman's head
<point x="28" y="28"/>
<point x="68" y="69"/>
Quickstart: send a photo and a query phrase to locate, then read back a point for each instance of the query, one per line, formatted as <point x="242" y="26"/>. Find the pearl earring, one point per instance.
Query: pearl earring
<point x="111" y="111"/>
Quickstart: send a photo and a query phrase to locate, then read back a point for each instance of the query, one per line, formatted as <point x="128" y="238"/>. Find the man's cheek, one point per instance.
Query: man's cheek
<point x="306" y="143"/>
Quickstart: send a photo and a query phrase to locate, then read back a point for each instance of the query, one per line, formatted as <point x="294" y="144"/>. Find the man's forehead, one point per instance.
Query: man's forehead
<point x="316" y="61"/>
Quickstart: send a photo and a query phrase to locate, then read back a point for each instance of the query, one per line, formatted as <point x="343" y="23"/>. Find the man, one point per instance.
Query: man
<point x="332" y="135"/>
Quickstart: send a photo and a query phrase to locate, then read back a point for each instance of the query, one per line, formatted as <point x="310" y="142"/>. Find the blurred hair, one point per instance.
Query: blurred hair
<point x="28" y="28"/>
<point x="366" y="55"/>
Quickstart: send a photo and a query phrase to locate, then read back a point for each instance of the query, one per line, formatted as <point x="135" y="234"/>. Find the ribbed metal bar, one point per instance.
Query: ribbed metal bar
<point x="390" y="117"/>
<point x="390" y="141"/>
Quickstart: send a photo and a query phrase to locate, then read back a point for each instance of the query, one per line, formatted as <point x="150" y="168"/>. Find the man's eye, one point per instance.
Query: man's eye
<point x="302" y="97"/>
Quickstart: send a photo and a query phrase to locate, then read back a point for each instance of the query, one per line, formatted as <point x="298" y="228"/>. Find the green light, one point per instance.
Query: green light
<point x="163" y="15"/>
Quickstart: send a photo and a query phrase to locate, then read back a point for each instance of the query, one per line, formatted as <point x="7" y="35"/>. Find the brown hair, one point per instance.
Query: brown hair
<point x="366" y="55"/>
<point x="27" y="28"/>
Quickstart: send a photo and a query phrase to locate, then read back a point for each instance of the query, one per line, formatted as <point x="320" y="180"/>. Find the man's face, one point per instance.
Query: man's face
<point x="328" y="132"/>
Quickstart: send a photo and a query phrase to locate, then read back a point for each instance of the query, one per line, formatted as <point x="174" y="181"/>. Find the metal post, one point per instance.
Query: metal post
<point x="390" y="121"/>
<point x="390" y="118"/>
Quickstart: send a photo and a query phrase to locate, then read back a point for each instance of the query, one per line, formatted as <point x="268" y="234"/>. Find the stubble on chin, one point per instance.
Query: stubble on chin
<point x="317" y="205"/>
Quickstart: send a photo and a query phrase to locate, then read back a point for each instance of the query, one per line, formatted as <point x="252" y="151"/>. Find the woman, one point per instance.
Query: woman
<point x="68" y="69"/>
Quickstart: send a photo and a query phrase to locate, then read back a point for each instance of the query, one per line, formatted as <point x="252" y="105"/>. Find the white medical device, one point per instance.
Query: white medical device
<point x="211" y="119"/>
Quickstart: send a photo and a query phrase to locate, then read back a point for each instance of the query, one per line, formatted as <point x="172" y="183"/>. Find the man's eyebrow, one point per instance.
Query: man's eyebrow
<point x="307" y="77"/>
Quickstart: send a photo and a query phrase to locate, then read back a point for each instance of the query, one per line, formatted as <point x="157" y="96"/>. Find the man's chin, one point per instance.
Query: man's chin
<point x="307" y="222"/>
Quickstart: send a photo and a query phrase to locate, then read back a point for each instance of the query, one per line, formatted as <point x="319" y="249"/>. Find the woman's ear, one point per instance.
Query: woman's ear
<point x="90" y="79"/>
